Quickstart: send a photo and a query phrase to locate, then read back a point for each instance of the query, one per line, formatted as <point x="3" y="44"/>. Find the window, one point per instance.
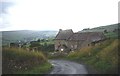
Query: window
<point x="71" y="46"/>
<point x="75" y="46"/>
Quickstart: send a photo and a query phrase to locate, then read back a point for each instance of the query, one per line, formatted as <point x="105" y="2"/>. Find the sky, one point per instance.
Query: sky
<point x="57" y="14"/>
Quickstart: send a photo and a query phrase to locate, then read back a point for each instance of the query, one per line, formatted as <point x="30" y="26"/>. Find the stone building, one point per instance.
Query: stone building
<point x="67" y="40"/>
<point x="62" y="39"/>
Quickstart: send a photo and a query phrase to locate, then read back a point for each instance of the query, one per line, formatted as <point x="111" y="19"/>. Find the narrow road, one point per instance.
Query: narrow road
<point x="67" y="67"/>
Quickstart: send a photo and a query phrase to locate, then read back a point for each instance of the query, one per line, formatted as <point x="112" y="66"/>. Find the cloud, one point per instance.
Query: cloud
<point x="4" y="5"/>
<point x="55" y="14"/>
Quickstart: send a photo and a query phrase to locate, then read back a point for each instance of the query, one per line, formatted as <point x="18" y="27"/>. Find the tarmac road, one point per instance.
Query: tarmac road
<point x="67" y="67"/>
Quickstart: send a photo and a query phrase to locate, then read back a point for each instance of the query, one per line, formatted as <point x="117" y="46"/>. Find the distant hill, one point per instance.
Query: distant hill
<point x="26" y="35"/>
<point x="109" y="28"/>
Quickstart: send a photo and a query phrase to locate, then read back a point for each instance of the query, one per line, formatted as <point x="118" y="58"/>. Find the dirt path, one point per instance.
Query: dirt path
<point x="67" y="67"/>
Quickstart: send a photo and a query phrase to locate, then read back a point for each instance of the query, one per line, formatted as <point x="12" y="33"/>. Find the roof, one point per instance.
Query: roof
<point x="64" y="34"/>
<point x="96" y="36"/>
<point x="78" y="36"/>
<point x="92" y="36"/>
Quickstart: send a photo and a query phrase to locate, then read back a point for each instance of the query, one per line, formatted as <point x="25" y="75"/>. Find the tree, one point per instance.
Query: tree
<point x="38" y="40"/>
<point x="34" y="44"/>
<point x="105" y="31"/>
<point x="42" y="40"/>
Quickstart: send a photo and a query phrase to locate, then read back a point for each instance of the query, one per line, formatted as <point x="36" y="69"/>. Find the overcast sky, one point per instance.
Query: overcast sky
<point x="57" y="14"/>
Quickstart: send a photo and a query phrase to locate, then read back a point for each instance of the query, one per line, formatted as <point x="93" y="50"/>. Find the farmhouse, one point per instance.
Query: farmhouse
<point x="67" y="40"/>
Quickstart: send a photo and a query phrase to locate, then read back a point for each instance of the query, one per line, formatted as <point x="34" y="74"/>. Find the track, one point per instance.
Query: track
<point x="67" y="67"/>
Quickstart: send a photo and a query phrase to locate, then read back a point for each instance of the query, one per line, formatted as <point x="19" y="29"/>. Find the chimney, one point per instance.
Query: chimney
<point x="60" y="29"/>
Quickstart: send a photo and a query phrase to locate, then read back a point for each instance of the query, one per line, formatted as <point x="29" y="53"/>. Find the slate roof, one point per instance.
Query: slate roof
<point x="70" y="35"/>
<point x="64" y="34"/>
<point x="92" y="36"/>
<point x="78" y="36"/>
<point x="96" y="36"/>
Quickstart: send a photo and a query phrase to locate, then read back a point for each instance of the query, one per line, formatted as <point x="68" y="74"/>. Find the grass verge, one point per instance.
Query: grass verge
<point x="103" y="57"/>
<point x="16" y="60"/>
<point x="40" y="69"/>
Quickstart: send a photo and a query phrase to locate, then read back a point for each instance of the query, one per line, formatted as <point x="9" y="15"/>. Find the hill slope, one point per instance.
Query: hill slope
<point x="110" y="31"/>
<point x="26" y="35"/>
<point x="103" y="57"/>
<point x="109" y="28"/>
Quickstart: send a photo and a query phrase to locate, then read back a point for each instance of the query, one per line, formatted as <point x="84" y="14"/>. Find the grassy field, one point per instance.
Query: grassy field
<point x="103" y="57"/>
<point x="16" y="60"/>
<point x="112" y="35"/>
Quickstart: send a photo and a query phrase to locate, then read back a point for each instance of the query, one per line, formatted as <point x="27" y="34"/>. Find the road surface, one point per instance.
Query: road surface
<point x="67" y="67"/>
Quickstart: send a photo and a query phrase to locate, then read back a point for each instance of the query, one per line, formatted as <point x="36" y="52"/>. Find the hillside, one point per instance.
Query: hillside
<point x="109" y="28"/>
<point x="110" y="31"/>
<point x="26" y="35"/>
<point x="103" y="57"/>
